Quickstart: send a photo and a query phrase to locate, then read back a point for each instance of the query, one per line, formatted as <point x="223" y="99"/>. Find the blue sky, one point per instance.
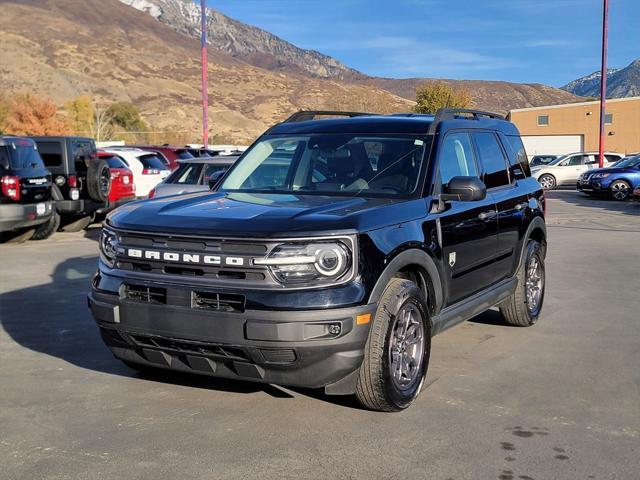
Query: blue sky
<point x="545" y="41"/>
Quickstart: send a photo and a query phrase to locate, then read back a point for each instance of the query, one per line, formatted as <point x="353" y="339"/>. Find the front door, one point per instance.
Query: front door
<point x="468" y="230"/>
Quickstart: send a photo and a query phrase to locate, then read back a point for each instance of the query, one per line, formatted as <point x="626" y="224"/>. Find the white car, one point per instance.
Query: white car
<point x="566" y="170"/>
<point x="147" y="167"/>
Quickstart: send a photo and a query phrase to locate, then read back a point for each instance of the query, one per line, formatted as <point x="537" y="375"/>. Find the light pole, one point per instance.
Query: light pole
<point x="603" y="79"/>
<point x="205" y="94"/>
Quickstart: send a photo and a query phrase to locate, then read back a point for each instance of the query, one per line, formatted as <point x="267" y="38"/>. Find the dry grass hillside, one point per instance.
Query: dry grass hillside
<point x="67" y="48"/>
<point x="494" y="96"/>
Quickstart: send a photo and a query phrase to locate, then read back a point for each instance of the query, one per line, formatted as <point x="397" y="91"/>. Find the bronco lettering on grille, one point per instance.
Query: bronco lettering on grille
<point x="185" y="257"/>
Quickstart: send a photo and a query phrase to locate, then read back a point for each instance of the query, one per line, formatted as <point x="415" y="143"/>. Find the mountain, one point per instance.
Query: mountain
<point x="251" y="44"/>
<point x="263" y="49"/>
<point x="621" y="82"/>
<point x="112" y="52"/>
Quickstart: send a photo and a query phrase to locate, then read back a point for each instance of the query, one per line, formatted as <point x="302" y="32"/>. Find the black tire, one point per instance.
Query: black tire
<point x="99" y="180"/>
<point x="376" y="388"/>
<point x="517" y="310"/>
<point x="78" y="224"/>
<point x="548" y="181"/>
<point x="620" y="190"/>
<point x="48" y="228"/>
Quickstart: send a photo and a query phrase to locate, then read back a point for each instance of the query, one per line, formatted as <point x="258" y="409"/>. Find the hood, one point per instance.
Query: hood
<point x="611" y="170"/>
<point x="243" y="214"/>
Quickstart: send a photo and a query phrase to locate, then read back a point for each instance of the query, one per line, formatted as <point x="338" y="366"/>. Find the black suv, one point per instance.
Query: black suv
<point x="330" y="254"/>
<point x="81" y="180"/>
<point x="25" y="196"/>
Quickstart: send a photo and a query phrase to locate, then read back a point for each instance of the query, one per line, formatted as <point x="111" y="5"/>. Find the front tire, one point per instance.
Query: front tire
<point x="547" y="181"/>
<point x="397" y="350"/>
<point x="523" y="307"/>
<point x="620" y="190"/>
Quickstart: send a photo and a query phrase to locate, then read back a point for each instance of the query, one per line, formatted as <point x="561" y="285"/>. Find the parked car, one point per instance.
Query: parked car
<point x="314" y="270"/>
<point x="25" y="196"/>
<point x="147" y="167"/>
<point x="538" y="160"/>
<point x="192" y="175"/>
<point x="168" y="153"/>
<point x="81" y="180"/>
<point x="566" y="170"/>
<point x="123" y="187"/>
<point x="618" y="181"/>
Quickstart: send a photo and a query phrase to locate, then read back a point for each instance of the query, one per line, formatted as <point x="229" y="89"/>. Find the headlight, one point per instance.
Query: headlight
<point x="601" y="175"/>
<point x="316" y="263"/>
<point x="108" y="247"/>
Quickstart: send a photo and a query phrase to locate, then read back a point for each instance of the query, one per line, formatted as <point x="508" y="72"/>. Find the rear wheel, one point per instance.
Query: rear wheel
<point x="78" y="224"/>
<point x="523" y="308"/>
<point x="620" y="190"/>
<point x="397" y="350"/>
<point x="48" y="228"/>
<point x="547" y="181"/>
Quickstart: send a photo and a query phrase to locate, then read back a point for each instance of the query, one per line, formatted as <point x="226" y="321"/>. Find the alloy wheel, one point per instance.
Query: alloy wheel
<point x="620" y="190"/>
<point x="534" y="285"/>
<point x="406" y="349"/>
<point x="547" y="182"/>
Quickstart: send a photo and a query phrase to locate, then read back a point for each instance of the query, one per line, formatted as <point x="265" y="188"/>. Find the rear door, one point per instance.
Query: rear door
<point x="469" y="230"/>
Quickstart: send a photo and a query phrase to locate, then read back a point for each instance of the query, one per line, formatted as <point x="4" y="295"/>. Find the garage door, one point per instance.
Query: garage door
<point x="552" y="144"/>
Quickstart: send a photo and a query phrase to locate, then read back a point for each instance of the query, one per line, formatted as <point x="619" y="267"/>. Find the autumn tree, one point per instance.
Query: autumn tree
<point x="80" y="113"/>
<point x="127" y="116"/>
<point x="436" y="95"/>
<point x="32" y="115"/>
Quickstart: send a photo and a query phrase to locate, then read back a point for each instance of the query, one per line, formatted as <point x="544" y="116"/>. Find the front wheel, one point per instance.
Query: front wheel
<point x="523" y="307"/>
<point x="397" y="350"/>
<point x="620" y="190"/>
<point x="547" y="181"/>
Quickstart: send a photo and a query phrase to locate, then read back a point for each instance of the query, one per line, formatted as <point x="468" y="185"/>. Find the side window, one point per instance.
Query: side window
<point x="519" y="156"/>
<point x="209" y="169"/>
<point x="51" y="153"/>
<point x="611" y="158"/>
<point x="82" y="152"/>
<point x="578" y="160"/>
<point x="456" y="157"/>
<point x="492" y="160"/>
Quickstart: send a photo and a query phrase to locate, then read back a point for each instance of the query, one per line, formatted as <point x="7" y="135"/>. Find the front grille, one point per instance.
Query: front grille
<point x="178" y="345"/>
<point x="141" y="293"/>
<point x="226" y="260"/>
<point x="217" y="301"/>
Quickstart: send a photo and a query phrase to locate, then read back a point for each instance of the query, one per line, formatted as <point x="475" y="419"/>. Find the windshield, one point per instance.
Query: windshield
<point x="339" y="164"/>
<point x="19" y="154"/>
<point x="628" y="162"/>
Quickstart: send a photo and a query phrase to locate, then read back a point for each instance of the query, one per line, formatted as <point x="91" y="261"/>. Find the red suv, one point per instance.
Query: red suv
<point x="170" y="154"/>
<point x="123" y="189"/>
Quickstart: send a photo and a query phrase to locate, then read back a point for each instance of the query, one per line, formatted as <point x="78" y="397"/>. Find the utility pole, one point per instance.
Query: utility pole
<point x="205" y="93"/>
<point x="603" y="79"/>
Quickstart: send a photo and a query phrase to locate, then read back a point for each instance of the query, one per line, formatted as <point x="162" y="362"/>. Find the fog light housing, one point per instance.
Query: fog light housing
<point x="335" y="329"/>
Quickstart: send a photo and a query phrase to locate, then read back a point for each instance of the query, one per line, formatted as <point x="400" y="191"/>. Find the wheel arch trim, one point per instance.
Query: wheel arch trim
<point x="407" y="258"/>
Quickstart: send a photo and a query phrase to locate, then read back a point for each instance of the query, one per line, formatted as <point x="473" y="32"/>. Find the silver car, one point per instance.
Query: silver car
<point x="192" y="175"/>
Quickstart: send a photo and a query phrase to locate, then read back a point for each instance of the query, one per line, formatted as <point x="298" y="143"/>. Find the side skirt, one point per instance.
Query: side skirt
<point x="474" y="305"/>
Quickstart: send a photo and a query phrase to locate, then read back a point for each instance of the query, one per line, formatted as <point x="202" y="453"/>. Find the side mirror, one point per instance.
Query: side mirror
<point x="464" y="189"/>
<point x="215" y="178"/>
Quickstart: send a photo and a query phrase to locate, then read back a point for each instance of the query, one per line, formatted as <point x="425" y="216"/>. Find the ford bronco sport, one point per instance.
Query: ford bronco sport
<point x="330" y="254"/>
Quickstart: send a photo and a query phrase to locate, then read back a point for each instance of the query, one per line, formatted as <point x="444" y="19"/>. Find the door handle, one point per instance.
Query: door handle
<point x="487" y="215"/>
<point x="521" y="206"/>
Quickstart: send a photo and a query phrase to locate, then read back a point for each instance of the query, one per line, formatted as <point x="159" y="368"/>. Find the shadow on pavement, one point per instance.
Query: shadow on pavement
<point x="53" y="319"/>
<point x="627" y="207"/>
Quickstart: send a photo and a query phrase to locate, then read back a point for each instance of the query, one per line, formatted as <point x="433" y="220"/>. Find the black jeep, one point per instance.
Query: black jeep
<point x="25" y="196"/>
<point x="81" y="180"/>
<point x="330" y="254"/>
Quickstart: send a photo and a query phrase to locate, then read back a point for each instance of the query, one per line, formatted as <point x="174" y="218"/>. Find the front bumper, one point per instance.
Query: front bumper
<point x="591" y="186"/>
<point x="15" y="216"/>
<point x="285" y="347"/>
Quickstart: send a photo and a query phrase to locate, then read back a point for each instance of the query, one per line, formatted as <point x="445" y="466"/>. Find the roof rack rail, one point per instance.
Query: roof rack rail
<point x="452" y="113"/>
<point x="304" y="115"/>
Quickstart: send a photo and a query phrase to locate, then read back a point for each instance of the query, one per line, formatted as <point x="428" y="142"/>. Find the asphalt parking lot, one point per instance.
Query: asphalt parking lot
<point x="560" y="400"/>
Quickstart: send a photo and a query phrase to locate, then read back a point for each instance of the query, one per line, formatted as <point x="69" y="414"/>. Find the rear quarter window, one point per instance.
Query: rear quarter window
<point x="51" y="153"/>
<point x="517" y="155"/>
<point x="152" y="161"/>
